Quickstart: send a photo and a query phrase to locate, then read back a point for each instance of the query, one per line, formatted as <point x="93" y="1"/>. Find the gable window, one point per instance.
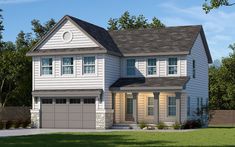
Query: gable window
<point x="172" y="66"/>
<point x="171" y="106"/>
<point x="152" y="69"/>
<point x="89" y="65"/>
<point x="130" y="67"/>
<point x="194" y="69"/>
<point x="46" y="66"/>
<point x="67" y="65"/>
<point x="188" y="106"/>
<point x="150" y="105"/>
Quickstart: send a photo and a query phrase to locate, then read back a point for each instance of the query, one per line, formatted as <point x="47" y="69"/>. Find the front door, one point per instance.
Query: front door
<point x="129" y="109"/>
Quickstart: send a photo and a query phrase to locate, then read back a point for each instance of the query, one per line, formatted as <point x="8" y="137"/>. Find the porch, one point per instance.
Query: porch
<point x="150" y="104"/>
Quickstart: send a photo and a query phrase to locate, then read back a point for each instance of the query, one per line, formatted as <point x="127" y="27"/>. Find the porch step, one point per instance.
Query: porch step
<point x="124" y="126"/>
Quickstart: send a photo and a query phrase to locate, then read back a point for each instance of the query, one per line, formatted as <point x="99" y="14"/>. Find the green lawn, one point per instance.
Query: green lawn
<point x="201" y="137"/>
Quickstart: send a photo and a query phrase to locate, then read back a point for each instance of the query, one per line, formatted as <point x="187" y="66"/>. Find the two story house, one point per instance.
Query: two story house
<point x="87" y="77"/>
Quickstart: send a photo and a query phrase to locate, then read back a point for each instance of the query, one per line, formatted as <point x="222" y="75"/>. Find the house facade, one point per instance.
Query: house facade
<point x="87" y="77"/>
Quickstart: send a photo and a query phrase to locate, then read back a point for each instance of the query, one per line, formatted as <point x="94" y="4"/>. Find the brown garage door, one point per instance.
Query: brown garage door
<point x="68" y="113"/>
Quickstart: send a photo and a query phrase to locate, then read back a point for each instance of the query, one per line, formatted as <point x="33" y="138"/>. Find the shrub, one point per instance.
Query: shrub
<point x="142" y="125"/>
<point x="1" y="125"/>
<point x="161" y="125"/>
<point x="192" y="124"/>
<point x="9" y="124"/>
<point x="26" y="123"/>
<point x="176" y="126"/>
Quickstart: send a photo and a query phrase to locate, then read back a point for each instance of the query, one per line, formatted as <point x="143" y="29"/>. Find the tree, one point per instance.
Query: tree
<point x="214" y="4"/>
<point x="1" y="30"/>
<point x="126" y="21"/>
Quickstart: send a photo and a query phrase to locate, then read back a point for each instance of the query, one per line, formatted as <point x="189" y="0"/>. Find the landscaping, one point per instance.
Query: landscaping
<point x="200" y="137"/>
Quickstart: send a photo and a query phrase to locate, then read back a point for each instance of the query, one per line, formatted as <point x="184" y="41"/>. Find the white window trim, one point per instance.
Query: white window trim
<point x="82" y="68"/>
<point x="147" y="106"/>
<point x="167" y="110"/>
<point x="53" y="67"/>
<point x="177" y="66"/>
<point x="157" y="67"/>
<point x="134" y="67"/>
<point x="61" y="66"/>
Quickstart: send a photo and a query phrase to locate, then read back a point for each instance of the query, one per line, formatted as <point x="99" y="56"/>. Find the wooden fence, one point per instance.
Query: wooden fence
<point x="222" y="117"/>
<point x="14" y="113"/>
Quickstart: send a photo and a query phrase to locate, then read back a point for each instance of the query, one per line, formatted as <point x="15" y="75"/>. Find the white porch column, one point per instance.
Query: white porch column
<point x="156" y="107"/>
<point x="135" y="106"/>
<point x="178" y="106"/>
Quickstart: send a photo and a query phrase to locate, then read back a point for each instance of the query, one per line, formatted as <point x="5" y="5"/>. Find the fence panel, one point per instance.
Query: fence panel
<point x="222" y="117"/>
<point x="14" y="113"/>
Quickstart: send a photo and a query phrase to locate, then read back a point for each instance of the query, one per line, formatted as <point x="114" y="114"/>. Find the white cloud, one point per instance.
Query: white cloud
<point x="16" y="1"/>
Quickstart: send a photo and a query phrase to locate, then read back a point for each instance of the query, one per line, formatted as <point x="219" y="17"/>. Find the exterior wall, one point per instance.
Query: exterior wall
<point x="197" y="87"/>
<point x="162" y="63"/>
<point x="79" y="39"/>
<point x="120" y="105"/>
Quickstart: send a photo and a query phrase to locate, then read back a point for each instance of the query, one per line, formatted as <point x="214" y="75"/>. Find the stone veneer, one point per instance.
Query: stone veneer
<point x="104" y="119"/>
<point x="35" y="118"/>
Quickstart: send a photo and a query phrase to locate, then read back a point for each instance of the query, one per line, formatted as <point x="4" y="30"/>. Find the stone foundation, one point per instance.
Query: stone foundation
<point x="35" y="118"/>
<point x="104" y="119"/>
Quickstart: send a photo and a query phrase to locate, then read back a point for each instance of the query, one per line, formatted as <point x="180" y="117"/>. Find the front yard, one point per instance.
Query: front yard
<point x="201" y="137"/>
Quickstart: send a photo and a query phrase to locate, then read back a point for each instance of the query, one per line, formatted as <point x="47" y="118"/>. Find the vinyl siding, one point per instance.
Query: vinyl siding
<point x="76" y="81"/>
<point x="79" y="39"/>
<point x="197" y="87"/>
<point x="162" y="63"/>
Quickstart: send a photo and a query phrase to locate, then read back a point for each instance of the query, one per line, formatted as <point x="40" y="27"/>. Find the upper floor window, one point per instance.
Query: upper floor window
<point x="172" y="66"/>
<point x="194" y="69"/>
<point x="150" y="106"/>
<point x="171" y="106"/>
<point x="89" y="65"/>
<point x="130" y="67"/>
<point x="46" y="66"/>
<point x="152" y="69"/>
<point x="67" y="65"/>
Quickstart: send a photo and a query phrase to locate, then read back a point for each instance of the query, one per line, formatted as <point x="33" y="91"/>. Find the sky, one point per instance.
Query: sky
<point x="219" y="24"/>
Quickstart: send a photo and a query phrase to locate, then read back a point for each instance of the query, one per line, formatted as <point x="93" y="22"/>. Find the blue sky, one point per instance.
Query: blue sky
<point x="218" y="25"/>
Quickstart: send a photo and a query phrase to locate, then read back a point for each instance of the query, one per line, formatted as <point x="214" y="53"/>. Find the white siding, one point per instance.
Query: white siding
<point x="112" y="74"/>
<point x="79" y="40"/>
<point x="76" y="81"/>
<point x="197" y="87"/>
<point x="162" y="61"/>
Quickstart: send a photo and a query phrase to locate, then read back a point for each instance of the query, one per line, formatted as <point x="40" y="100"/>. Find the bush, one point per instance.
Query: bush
<point x="161" y="125"/>
<point x="176" y="126"/>
<point x="9" y="124"/>
<point x="26" y="123"/>
<point x="1" y="125"/>
<point x="142" y="125"/>
<point x="192" y="124"/>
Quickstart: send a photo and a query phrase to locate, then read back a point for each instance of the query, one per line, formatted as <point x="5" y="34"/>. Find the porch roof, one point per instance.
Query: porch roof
<point x="150" y="84"/>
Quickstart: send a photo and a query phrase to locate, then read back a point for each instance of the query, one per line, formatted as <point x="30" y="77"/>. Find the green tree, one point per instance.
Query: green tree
<point x="1" y="30"/>
<point x="214" y="4"/>
<point x="126" y="21"/>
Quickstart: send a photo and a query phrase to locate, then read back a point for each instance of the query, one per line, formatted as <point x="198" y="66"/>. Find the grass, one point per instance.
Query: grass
<point x="201" y="137"/>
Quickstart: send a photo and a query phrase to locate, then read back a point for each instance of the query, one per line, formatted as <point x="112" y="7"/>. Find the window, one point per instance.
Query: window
<point x="74" y="101"/>
<point x="46" y="101"/>
<point x="130" y="67"/>
<point x="152" y="69"/>
<point x="67" y="65"/>
<point x="150" y="105"/>
<point x="89" y="101"/>
<point x="194" y="69"/>
<point x="188" y="106"/>
<point x="171" y="106"/>
<point x="60" y="101"/>
<point x="89" y="65"/>
<point x="172" y="66"/>
<point x="46" y="66"/>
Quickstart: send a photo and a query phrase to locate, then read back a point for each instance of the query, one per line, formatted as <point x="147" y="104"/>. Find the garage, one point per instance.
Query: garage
<point x="79" y="113"/>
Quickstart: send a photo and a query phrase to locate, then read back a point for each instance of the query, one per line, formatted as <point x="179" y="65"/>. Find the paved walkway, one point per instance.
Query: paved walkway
<point x="21" y="132"/>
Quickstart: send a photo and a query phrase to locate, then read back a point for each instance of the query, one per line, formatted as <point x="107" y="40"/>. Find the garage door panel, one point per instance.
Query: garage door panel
<point x="61" y="124"/>
<point x="47" y="124"/>
<point x="75" y="116"/>
<point x="61" y="108"/>
<point x="48" y="116"/>
<point x="88" y="116"/>
<point x="75" y="124"/>
<point x="89" y="125"/>
<point x="88" y="108"/>
<point x="75" y="108"/>
<point x="61" y="116"/>
<point x="47" y="108"/>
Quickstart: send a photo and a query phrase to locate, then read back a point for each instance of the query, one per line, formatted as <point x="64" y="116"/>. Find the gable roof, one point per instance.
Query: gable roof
<point x="132" y="42"/>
